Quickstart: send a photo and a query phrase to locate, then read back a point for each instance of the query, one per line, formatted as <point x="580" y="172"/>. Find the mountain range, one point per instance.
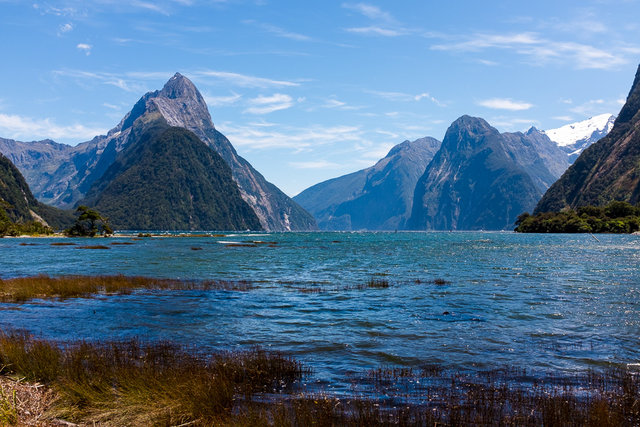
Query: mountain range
<point x="63" y="175"/>
<point x="375" y="198"/>
<point x="606" y="171"/>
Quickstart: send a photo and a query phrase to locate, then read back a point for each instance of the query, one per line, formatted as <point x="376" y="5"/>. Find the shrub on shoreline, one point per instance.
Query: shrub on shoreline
<point x="616" y="217"/>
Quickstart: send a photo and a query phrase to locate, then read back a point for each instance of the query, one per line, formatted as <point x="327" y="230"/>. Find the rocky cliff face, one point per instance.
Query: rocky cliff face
<point x="608" y="170"/>
<point x="181" y="105"/>
<point x="376" y="198"/>
<point x="474" y="181"/>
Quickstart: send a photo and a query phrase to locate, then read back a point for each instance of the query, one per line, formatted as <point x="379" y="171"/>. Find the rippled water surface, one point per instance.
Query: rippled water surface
<point x="558" y="302"/>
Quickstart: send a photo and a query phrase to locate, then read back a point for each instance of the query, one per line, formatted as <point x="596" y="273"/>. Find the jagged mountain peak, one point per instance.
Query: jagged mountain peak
<point x="179" y="86"/>
<point x="419" y="144"/>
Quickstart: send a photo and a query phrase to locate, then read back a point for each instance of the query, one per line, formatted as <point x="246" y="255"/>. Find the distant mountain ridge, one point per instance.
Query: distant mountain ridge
<point x="608" y="170"/>
<point x="481" y="179"/>
<point x="574" y="138"/>
<point x="375" y="198"/>
<point x="72" y="171"/>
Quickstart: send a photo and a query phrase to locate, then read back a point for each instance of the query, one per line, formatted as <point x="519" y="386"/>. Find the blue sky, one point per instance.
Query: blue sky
<point x="310" y="90"/>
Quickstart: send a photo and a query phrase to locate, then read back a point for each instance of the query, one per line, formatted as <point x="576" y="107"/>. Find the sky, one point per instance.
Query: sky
<point x="311" y="90"/>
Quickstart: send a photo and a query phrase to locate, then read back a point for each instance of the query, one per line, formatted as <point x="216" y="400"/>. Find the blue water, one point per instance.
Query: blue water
<point x="547" y="302"/>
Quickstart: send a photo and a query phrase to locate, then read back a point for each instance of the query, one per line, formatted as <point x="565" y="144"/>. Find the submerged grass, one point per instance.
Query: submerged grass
<point x="132" y="383"/>
<point x="26" y="288"/>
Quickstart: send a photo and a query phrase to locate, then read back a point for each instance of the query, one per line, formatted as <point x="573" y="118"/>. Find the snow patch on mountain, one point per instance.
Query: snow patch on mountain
<point x="575" y="137"/>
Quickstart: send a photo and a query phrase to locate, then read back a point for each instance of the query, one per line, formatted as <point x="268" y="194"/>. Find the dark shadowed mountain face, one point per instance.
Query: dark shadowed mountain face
<point x="168" y="179"/>
<point x="181" y="105"/>
<point x="473" y="182"/>
<point x="376" y="198"/>
<point x="19" y="203"/>
<point x="608" y="170"/>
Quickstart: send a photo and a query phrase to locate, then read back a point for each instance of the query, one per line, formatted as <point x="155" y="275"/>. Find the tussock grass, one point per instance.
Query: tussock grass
<point x="26" y="288"/>
<point x="131" y="383"/>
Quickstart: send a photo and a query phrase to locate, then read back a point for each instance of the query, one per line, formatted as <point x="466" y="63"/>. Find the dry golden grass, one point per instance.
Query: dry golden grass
<point x="26" y="288"/>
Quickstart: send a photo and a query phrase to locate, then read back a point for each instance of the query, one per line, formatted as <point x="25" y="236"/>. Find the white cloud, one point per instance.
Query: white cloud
<point x="505" y="104"/>
<point x="217" y="101"/>
<point x="150" y="6"/>
<point x="539" y="50"/>
<point x="376" y="31"/>
<point x="84" y="47"/>
<point x="16" y="126"/>
<point x="563" y="118"/>
<point x="244" y="80"/>
<point x="384" y="24"/>
<point x="65" y="28"/>
<point x="405" y="97"/>
<point x="280" y="32"/>
<point x="259" y="136"/>
<point x="370" y="11"/>
<point x="269" y="104"/>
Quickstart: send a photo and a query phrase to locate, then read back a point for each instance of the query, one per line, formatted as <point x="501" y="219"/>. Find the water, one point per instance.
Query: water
<point x="548" y="302"/>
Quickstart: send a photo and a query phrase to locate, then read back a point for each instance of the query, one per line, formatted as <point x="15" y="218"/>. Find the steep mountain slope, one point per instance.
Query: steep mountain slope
<point x="540" y="157"/>
<point x="376" y="198"/>
<point x="574" y="138"/>
<point x="607" y="170"/>
<point x="472" y="182"/>
<point x="22" y="206"/>
<point x="168" y="179"/>
<point x="181" y="105"/>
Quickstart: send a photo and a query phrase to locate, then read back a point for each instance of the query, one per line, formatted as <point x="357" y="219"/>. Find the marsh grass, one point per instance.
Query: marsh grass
<point x="27" y="288"/>
<point x="133" y="383"/>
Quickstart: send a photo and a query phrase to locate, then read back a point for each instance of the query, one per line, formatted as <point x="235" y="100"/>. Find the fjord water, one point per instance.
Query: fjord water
<point x="545" y="302"/>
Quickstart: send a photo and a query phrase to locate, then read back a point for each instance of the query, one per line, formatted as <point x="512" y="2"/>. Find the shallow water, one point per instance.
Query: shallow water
<point x="546" y="302"/>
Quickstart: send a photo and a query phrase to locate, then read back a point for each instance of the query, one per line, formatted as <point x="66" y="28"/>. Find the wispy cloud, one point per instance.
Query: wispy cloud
<point x="217" y="101"/>
<point x="84" y="47"/>
<point x="244" y="80"/>
<point x="17" y="127"/>
<point x="505" y="104"/>
<point x="387" y="32"/>
<point x="405" y="97"/>
<point x="384" y="24"/>
<point x="138" y="81"/>
<point x="65" y="28"/>
<point x="272" y="135"/>
<point x="563" y="118"/>
<point x="154" y="7"/>
<point x="539" y="50"/>
<point x="370" y="11"/>
<point x="510" y="124"/>
<point x="279" y="32"/>
<point x="269" y="104"/>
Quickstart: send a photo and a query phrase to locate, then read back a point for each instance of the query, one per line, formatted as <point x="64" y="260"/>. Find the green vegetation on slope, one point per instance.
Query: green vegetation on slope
<point x="607" y="170"/>
<point x="168" y="179"/>
<point x="616" y="217"/>
<point x="20" y="212"/>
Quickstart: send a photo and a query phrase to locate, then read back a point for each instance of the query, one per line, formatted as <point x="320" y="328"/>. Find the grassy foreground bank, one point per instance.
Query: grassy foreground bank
<point x="131" y="383"/>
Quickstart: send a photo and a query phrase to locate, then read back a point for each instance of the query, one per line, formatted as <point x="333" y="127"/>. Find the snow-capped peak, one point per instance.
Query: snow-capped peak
<point x="588" y="131"/>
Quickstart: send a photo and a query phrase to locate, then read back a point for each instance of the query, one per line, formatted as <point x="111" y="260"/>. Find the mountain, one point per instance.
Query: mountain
<point x="540" y="157"/>
<point x="181" y="105"/>
<point x="574" y="138"/>
<point x="376" y="198"/>
<point x="475" y="181"/>
<point x="166" y="178"/>
<point x="608" y="170"/>
<point x="22" y="206"/>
